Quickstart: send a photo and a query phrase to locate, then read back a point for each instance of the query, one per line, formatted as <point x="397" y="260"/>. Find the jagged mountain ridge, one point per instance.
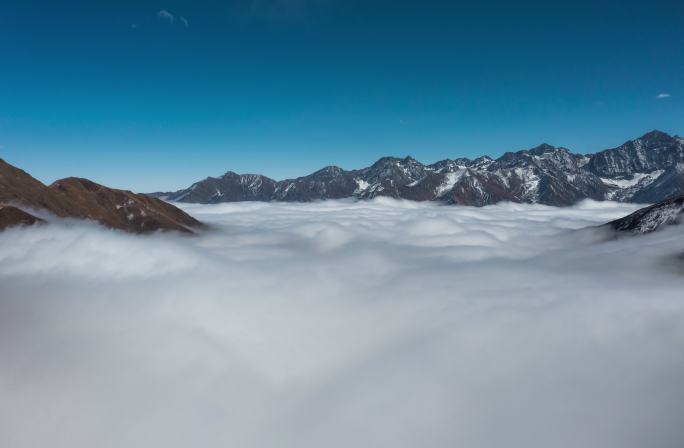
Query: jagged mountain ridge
<point x="647" y="169"/>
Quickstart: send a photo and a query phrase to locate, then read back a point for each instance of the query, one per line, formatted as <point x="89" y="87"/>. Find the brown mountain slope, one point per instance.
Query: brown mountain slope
<point x="122" y="209"/>
<point x="84" y="199"/>
<point x="12" y="216"/>
<point x="17" y="186"/>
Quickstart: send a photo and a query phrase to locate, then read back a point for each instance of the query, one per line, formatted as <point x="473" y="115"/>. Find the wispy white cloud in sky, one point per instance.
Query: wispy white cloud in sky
<point x="166" y="15"/>
<point x="662" y="96"/>
<point x="184" y="21"/>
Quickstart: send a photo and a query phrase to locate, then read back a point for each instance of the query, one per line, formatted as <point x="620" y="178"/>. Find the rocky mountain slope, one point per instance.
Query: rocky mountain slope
<point x="13" y="216"/>
<point x="653" y="218"/>
<point x="83" y="199"/>
<point x="648" y="169"/>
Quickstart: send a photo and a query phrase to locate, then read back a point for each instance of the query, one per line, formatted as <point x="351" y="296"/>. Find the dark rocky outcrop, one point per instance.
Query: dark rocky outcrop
<point x="652" y="218"/>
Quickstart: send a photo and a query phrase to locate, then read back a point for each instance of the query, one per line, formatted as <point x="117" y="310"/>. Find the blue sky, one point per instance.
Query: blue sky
<point x="154" y="95"/>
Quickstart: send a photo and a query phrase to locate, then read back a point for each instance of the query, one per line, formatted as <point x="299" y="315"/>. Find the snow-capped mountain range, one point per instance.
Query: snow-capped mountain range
<point x="648" y="169"/>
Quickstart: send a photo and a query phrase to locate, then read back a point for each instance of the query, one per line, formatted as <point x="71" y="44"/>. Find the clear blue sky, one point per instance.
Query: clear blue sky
<point x="153" y="95"/>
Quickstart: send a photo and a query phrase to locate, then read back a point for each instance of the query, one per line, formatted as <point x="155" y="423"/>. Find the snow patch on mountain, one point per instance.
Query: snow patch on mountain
<point x="635" y="179"/>
<point x="450" y="180"/>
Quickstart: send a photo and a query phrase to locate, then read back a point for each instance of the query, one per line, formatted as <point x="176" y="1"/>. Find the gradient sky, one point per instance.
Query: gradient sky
<point x="154" y="95"/>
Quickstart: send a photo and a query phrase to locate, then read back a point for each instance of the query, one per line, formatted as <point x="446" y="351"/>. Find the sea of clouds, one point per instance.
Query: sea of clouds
<point x="345" y="324"/>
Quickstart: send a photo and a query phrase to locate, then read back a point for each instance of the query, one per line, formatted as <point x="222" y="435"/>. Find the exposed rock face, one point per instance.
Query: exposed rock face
<point x="642" y="170"/>
<point x="83" y="199"/>
<point x="668" y="184"/>
<point x="544" y="174"/>
<point x="13" y="216"/>
<point x="653" y="151"/>
<point x="230" y="187"/>
<point x="648" y="169"/>
<point x="653" y="218"/>
<point x="329" y="183"/>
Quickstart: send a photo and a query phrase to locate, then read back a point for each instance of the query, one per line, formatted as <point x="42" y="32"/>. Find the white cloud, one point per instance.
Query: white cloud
<point x="662" y="96"/>
<point x="341" y="324"/>
<point x="184" y="21"/>
<point x="166" y="15"/>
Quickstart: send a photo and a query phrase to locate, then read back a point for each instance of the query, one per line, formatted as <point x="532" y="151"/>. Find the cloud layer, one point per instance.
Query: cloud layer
<point x="341" y="324"/>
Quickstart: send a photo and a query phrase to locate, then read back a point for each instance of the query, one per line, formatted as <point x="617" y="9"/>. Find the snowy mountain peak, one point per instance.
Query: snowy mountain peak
<point x="656" y="135"/>
<point x="544" y="148"/>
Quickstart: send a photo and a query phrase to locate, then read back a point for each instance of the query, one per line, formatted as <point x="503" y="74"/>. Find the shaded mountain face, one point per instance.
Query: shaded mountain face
<point x="648" y="169"/>
<point x="653" y="151"/>
<point x="84" y="199"/>
<point x="328" y="183"/>
<point x="653" y="218"/>
<point x="231" y="187"/>
<point x="13" y="216"/>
